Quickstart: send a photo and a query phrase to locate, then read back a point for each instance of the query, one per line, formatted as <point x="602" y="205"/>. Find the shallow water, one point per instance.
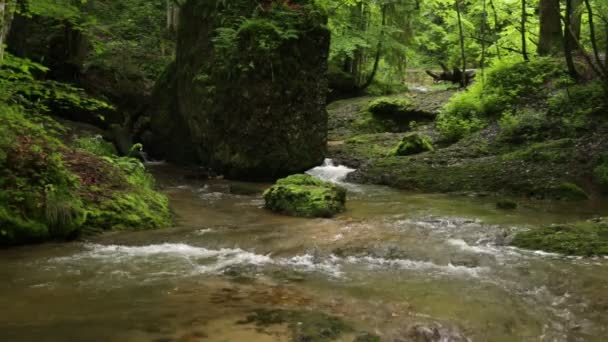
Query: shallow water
<point x="393" y="260"/>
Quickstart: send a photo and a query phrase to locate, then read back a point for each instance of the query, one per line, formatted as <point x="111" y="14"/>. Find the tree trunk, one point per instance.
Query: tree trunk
<point x="550" y="36"/>
<point x="569" y="40"/>
<point x="6" y="17"/>
<point x="596" y="52"/>
<point x="371" y="77"/>
<point x="576" y="18"/>
<point x="483" y="37"/>
<point x="462" y="52"/>
<point x="172" y="15"/>
<point x="495" y="28"/>
<point x="524" y="18"/>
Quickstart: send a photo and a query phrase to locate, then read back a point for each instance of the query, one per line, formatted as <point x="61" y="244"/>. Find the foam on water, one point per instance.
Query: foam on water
<point x="416" y="265"/>
<point x="200" y="260"/>
<point x="330" y="172"/>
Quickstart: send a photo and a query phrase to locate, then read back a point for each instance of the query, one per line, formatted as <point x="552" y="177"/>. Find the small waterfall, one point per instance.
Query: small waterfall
<point x="330" y="172"/>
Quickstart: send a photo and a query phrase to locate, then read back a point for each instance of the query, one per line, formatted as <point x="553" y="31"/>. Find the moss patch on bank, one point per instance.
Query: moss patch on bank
<point x="50" y="190"/>
<point x="305" y="196"/>
<point x="589" y="238"/>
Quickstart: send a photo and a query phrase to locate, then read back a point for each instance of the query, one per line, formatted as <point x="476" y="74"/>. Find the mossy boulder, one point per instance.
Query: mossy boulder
<point x="589" y="238"/>
<point x="247" y="92"/>
<point x="413" y="144"/>
<point x="390" y="107"/>
<point x="305" y="196"/>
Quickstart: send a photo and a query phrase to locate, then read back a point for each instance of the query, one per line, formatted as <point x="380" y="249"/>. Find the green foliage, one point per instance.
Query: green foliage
<point x="525" y="125"/>
<point x="129" y="37"/>
<point x="557" y="151"/>
<point x="305" y="196"/>
<point x="508" y="87"/>
<point x="413" y="144"/>
<point x="19" y="86"/>
<point x="50" y="191"/>
<point x="600" y="172"/>
<point x="454" y="128"/>
<point x="96" y="145"/>
<point x="242" y="41"/>
<point x="579" y="101"/>
<point x="582" y="238"/>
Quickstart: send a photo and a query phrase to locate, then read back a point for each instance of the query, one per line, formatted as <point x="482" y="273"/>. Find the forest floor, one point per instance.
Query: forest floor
<point x="481" y="164"/>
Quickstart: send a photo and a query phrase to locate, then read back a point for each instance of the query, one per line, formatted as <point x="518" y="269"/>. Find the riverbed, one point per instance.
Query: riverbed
<point x="394" y="263"/>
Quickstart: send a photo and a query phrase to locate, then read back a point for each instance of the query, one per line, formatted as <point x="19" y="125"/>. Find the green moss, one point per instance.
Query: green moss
<point x="95" y="145"/>
<point x="506" y="204"/>
<point x="508" y="86"/>
<point x="413" y="144"/>
<point x="390" y="107"/>
<point x="136" y="207"/>
<point x="568" y="191"/>
<point x="583" y="238"/>
<point x="305" y="196"/>
<point x="558" y="151"/>
<point x="51" y="191"/>
<point x="304" y="325"/>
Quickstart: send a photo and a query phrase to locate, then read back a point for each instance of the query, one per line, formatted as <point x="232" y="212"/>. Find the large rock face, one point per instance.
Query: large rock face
<point x="246" y="96"/>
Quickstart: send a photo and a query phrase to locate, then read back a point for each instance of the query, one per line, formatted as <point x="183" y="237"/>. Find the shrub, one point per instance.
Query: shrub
<point x="508" y="86"/>
<point x="600" y="172"/>
<point x="96" y="145"/>
<point x="525" y="125"/>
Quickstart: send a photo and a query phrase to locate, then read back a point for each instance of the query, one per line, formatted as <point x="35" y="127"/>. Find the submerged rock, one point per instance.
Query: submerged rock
<point x="305" y="196"/>
<point x="413" y="144"/>
<point x="307" y="326"/>
<point x="246" y="95"/>
<point x="506" y="204"/>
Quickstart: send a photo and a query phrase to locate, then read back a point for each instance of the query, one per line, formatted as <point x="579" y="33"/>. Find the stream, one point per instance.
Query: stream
<point x="394" y="260"/>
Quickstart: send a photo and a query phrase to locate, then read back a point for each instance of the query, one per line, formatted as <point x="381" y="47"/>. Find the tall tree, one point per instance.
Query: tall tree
<point x="569" y="41"/>
<point x="6" y="17"/>
<point x="462" y="51"/>
<point x="550" y="36"/>
<point x="524" y="18"/>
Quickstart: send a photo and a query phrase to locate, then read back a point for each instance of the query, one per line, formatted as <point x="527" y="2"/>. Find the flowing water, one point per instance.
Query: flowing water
<point x="394" y="260"/>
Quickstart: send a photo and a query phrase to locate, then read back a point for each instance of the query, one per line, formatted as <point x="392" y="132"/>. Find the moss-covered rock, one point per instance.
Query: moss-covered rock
<point x="413" y="144"/>
<point x="588" y="238"/>
<point x="305" y="196"/>
<point x="248" y="89"/>
<point x="390" y="107"/>
<point x="49" y="190"/>
<point x="307" y="326"/>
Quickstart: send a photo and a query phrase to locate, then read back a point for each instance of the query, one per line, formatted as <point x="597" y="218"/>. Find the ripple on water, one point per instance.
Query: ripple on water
<point x="192" y="260"/>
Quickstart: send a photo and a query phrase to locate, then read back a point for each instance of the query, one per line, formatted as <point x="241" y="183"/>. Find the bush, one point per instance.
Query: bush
<point x="523" y="126"/>
<point x="96" y="145"/>
<point x="508" y="86"/>
<point x="600" y="173"/>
